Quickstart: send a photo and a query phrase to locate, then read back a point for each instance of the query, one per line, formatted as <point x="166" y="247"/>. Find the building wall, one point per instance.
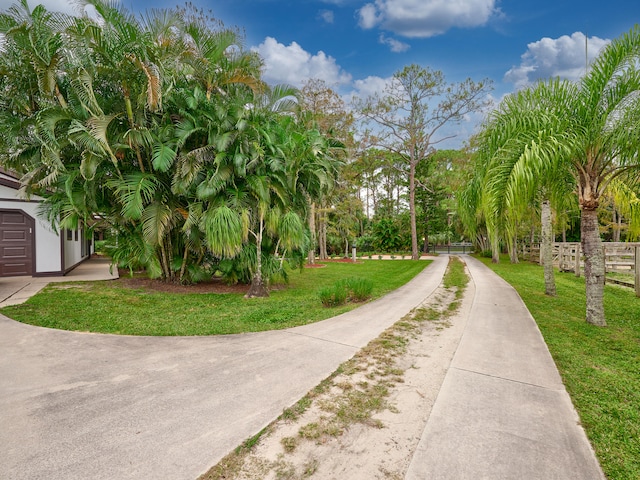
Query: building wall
<point x="47" y="241"/>
<point x="72" y="241"/>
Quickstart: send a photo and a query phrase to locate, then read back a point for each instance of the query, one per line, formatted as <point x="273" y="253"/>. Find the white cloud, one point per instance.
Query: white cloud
<point x="326" y="15"/>
<point x="368" y="16"/>
<point x="53" y="5"/>
<point x="369" y="86"/>
<point x="294" y="65"/>
<point x="426" y="18"/>
<point x="395" y="46"/>
<point x="562" y="57"/>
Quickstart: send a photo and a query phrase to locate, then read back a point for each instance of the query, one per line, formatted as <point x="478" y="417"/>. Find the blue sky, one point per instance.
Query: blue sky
<point x="356" y="45"/>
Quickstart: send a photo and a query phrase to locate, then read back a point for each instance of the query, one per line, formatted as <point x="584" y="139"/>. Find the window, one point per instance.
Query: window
<point x="69" y="235"/>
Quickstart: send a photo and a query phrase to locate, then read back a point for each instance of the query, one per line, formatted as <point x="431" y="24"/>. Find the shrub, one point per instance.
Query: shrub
<point x="334" y="295"/>
<point x="350" y="289"/>
<point x="360" y="288"/>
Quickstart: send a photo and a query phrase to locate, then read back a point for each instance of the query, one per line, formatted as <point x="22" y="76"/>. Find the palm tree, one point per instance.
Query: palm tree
<point x="587" y="129"/>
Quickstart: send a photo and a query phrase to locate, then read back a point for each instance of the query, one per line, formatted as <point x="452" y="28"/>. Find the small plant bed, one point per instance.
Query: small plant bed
<point x="365" y="420"/>
<point x="599" y="366"/>
<point x="138" y="306"/>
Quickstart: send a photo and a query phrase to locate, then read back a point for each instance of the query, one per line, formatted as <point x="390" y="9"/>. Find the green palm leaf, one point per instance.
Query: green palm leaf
<point x="223" y="230"/>
<point x="163" y="157"/>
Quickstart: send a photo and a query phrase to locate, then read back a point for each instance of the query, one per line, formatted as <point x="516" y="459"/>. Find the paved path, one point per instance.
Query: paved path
<point x="502" y="411"/>
<point x="88" y="406"/>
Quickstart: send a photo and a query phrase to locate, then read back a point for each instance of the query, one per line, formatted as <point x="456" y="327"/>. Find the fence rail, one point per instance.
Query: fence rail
<point x="620" y="257"/>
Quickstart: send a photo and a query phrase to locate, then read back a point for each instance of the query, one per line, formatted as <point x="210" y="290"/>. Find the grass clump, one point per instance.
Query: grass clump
<point x="289" y="444"/>
<point x="599" y="366"/>
<point x="333" y="295"/>
<point x="354" y="289"/>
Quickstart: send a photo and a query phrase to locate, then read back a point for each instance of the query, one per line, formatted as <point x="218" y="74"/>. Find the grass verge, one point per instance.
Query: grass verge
<point x="107" y="307"/>
<point x="599" y="366"/>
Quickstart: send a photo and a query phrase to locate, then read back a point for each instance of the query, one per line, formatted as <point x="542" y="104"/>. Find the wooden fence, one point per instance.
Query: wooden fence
<point x="620" y="257"/>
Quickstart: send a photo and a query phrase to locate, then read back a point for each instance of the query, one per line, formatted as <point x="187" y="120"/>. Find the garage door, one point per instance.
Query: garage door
<point x="16" y="245"/>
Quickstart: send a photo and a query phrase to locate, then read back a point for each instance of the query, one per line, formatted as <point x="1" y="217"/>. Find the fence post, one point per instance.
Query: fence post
<point x="578" y="260"/>
<point x="637" y="266"/>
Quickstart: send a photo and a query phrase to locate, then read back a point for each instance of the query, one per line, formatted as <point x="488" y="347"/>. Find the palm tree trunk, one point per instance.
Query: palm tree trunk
<point x="495" y="250"/>
<point x="617" y="225"/>
<point x="127" y="102"/>
<point x="183" y="267"/>
<point x="547" y="253"/>
<point x="513" y="251"/>
<point x="164" y="263"/>
<point x="312" y="228"/>
<point x="322" y="224"/>
<point x="593" y="266"/>
<point x="258" y="288"/>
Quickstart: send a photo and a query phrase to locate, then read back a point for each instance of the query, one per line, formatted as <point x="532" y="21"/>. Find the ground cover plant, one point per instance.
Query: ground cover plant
<point x="110" y="307"/>
<point x="599" y="366"/>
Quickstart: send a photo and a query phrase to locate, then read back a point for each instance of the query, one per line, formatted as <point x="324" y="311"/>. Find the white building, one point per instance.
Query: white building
<point x="28" y="244"/>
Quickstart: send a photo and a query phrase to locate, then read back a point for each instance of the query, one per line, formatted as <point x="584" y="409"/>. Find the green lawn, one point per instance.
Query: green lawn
<point x="107" y="307"/>
<point x="600" y="366"/>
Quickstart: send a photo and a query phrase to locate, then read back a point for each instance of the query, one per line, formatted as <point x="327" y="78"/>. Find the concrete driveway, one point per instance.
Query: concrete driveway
<point x="89" y="406"/>
<point x="502" y="412"/>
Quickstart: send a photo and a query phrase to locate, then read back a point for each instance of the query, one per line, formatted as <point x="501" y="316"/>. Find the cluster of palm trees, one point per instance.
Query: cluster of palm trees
<point x="558" y="138"/>
<point x="160" y="129"/>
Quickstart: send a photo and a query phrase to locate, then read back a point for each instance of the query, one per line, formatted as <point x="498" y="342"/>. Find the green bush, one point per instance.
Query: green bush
<point x="100" y="245"/>
<point x="334" y="295"/>
<point x="360" y="288"/>
<point x="350" y="289"/>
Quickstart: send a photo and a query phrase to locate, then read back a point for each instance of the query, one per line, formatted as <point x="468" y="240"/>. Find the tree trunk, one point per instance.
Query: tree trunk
<point x="495" y="251"/>
<point x="513" y="251"/>
<point x="617" y="225"/>
<point x="323" y="237"/>
<point x="183" y="266"/>
<point x="547" y="252"/>
<point x="258" y="288"/>
<point x="412" y="211"/>
<point x="312" y="228"/>
<point x="593" y="266"/>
